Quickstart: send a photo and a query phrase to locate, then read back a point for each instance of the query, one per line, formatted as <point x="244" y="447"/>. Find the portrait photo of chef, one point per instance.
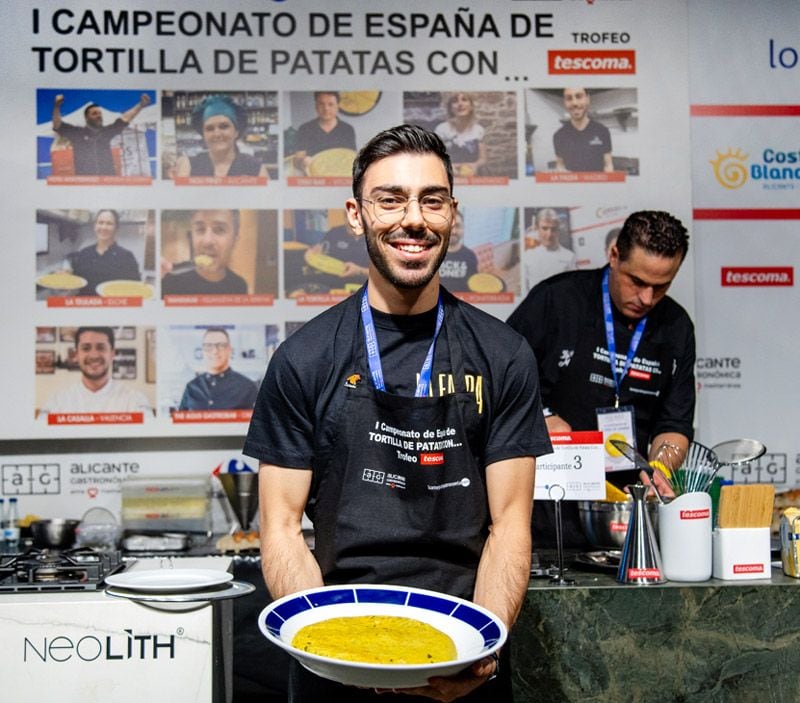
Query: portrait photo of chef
<point x="479" y="130"/>
<point x="218" y="252"/>
<point x="104" y="252"/>
<point x="482" y="260"/>
<point x="96" y="136"/>
<point x="547" y="247"/>
<point x="213" y="367"/>
<point x="581" y="129"/>
<point x="577" y="322"/>
<point x="325" y="128"/>
<point x="588" y="231"/>
<point x="230" y="137"/>
<point x="321" y="254"/>
<point x="97" y="369"/>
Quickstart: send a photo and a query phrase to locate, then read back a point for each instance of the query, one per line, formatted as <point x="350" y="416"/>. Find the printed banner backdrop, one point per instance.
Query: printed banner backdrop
<point x="259" y="248"/>
<point x="746" y="191"/>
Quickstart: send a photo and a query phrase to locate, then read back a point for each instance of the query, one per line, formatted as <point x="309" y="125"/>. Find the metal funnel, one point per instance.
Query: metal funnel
<point x="241" y="488"/>
<point x="640" y="563"/>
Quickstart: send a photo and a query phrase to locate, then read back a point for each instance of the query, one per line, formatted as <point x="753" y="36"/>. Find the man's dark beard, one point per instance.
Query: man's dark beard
<point x="383" y="268"/>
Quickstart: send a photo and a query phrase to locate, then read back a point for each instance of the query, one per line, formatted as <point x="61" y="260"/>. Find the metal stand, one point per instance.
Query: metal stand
<point x="556" y="493"/>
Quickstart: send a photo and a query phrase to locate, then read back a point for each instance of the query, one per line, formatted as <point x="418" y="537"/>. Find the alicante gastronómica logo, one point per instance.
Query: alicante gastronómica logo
<point x="775" y="169"/>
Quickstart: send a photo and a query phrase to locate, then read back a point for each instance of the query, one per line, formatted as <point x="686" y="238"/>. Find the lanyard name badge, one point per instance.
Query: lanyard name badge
<point x="374" y="354"/>
<point x="617" y="421"/>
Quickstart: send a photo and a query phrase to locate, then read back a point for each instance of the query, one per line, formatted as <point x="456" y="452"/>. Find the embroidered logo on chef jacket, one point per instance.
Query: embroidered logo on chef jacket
<point x="352" y="380"/>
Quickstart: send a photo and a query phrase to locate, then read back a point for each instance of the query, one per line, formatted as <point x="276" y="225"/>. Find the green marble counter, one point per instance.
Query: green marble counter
<point x="715" y="641"/>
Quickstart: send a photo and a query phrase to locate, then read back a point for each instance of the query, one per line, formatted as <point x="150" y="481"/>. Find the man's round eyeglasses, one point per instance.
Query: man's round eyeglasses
<point x="212" y="346"/>
<point x="390" y="209"/>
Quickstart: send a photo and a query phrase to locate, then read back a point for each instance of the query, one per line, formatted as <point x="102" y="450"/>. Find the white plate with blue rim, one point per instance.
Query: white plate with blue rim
<point x="475" y="631"/>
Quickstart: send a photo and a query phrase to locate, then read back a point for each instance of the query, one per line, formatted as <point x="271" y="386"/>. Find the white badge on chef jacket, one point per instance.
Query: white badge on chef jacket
<point x="616" y="423"/>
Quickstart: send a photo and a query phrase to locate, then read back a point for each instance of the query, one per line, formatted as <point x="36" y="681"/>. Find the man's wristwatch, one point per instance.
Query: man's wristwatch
<point x="496" y="659"/>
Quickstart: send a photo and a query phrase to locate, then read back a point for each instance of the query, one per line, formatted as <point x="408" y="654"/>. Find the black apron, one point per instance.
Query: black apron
<point x="381" y="519"/>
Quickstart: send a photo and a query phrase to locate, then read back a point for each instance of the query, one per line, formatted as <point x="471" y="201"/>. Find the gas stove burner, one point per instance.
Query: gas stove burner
<point x="49" y="569"/>
<point x="55" y="575"/>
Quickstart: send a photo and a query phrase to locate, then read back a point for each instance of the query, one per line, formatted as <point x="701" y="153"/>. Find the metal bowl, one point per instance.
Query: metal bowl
<point x="605" y="523"/>
<point x="54" y="534"/>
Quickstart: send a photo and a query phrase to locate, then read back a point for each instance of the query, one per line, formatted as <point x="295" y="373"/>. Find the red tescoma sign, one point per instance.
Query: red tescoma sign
<point x="757" y="276"/>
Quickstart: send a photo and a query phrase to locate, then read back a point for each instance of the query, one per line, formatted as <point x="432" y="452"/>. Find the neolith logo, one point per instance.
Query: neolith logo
<point x="63" y="648"/>
<point x="757" y="276"/>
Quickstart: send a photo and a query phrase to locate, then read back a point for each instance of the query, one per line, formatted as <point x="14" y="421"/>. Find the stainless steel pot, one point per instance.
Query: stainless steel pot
<point x="605" y="523"/>
<point x="57" y="533"/>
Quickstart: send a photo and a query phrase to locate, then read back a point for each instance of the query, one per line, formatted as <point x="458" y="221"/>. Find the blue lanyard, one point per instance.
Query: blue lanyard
<point x="612" y="345"/>
<point x="374" y="353"/>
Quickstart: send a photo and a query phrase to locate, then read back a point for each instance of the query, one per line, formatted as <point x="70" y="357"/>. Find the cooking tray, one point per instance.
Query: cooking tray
<point x="603" y="560"/>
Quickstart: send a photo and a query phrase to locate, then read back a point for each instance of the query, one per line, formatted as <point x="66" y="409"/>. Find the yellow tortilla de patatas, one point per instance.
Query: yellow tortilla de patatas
<point x="376" y="639"/>
<point x="61" y="281"/>
<point x="485" y="283"/>
<point x="332" y="163"/>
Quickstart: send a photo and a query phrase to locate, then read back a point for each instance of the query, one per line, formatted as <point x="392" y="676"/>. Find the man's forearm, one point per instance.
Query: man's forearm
<point x="287" y="563"/>
<point x="503" y="574"/>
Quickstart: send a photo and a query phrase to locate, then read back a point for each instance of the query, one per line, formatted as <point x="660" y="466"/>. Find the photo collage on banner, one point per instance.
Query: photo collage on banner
<point x="186" y="210"/>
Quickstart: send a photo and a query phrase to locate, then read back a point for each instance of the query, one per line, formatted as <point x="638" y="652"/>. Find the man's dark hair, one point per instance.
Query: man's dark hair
<point x="235" y="217"/>
<point x="220" y="330"/>
<point x="403" y="139"/>
<point x="87" y="108"/>
<point x="335" y="93"/>
<point x="107" y="331"/>
<point x="611" y="236"/>
<point x="654" y="231"/>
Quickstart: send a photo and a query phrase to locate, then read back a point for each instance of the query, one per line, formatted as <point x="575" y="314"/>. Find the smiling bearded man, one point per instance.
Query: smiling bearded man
<point x="405" y="422"/>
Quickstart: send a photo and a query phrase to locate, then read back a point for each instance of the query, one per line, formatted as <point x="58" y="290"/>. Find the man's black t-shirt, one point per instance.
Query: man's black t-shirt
<point x="307" y="374"/>
<point x="91" y="147"/>
<point x="192" y="283"/>
<point x="582" y="150"/>
<point x="457" y="267"/>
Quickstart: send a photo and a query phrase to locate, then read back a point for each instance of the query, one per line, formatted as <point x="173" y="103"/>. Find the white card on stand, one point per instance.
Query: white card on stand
<point x="577" y="464"/>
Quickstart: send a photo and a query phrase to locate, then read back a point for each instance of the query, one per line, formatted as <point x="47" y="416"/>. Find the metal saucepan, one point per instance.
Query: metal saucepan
<point x="57" y="533"/>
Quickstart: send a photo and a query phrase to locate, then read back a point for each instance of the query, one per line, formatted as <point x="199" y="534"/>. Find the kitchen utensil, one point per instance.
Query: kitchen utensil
<point x="605" y="523"/>
<point x="668" y="458"/>
<point x="184" y="600"/>
<point x="684" y="536"/>
<point x="169" y="580"/>
<point x="98" y="529"/>
<point x="53" y="534"/>
<point x="640" y="462"/>
<point x="475" y="631"/>
<point x="602" y="560"/>
<point x="736" y="452"/>
<point x="746" y="505"/>
<point x="640" y="563"/>
<point x="241" y="489"/>
<point x="699" y="467"/>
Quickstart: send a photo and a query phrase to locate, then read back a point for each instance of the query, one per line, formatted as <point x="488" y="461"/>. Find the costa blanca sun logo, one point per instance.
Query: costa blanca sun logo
<point x="730" y="169"/>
